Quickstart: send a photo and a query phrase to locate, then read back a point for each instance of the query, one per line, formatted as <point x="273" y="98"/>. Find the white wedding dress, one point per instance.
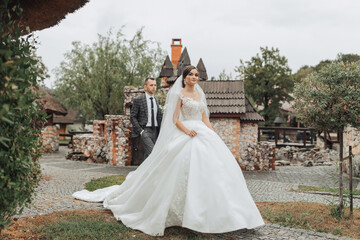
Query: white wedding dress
<point x="194" y="182"/>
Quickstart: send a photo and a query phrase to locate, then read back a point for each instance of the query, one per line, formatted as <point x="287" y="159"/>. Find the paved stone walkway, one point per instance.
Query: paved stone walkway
<point x="63" y="177"/>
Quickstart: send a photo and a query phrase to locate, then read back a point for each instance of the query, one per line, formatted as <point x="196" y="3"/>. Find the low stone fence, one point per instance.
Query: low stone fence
<point x="258" y="157"/>
<point x="109" y="143"/>
<point x="88" y="148"/>
<point x="306" y="157"/>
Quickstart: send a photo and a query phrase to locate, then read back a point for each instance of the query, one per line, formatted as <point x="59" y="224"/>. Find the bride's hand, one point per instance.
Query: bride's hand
<point x="192" y="133"/>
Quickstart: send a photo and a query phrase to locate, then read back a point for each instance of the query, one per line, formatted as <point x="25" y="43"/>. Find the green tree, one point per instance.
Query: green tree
<point x="330" y="100"/>
<point x="21" y="118"/>
<point x="268" y="81"/>
<point x="347" y="58"/>
<point x="92" y="78"/>
<point x="304" y="71"/>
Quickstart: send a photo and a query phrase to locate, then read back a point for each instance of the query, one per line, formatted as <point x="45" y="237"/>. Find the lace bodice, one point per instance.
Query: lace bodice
<point x="192" y="109"/>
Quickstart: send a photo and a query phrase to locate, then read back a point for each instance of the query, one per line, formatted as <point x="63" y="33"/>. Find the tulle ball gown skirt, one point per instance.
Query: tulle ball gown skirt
<point x="194" y="182"/>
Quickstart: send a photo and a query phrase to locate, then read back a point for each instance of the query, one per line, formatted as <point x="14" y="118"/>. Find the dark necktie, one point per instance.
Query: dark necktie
<point x="152" y="114"/>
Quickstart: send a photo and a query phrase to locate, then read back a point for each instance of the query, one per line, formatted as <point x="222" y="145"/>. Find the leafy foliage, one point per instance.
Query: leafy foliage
<point x="267" y="80"/>
<point x="92" y="78"/>
<point x="329" y="100"/>
<point x="304" y="71"/>
<point x="20" y="115"/>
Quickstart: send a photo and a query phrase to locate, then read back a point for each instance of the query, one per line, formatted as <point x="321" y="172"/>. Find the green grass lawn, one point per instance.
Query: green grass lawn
<point x="104" y="182"/>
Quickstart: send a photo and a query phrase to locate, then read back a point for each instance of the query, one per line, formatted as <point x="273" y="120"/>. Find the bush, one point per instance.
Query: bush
<point x="21" y="118"/>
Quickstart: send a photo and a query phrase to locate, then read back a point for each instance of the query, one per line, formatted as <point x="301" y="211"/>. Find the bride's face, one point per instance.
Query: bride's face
<point x="192" y="78"/>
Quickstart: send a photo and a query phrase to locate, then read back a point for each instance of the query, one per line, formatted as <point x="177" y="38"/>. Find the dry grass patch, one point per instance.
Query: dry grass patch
<point x="84" y="224"/>
<point x="311" y="216"/>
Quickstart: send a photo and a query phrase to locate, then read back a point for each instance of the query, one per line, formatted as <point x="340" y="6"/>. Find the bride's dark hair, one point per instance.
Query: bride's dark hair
<point x="186" y="72"/>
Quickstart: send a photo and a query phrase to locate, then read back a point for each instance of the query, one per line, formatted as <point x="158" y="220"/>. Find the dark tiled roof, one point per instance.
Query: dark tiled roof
<point x="172" y="79"/>
<point x="202" y="70"/>
<point x="251" y="114"/>
<point x="69" y="118"/>
<point x="167" y="68"/>
<point x="184" y="58"/>
<point x="184" y="61"/>
<point x="228" y="98"/>
<point x="224" y="97"/>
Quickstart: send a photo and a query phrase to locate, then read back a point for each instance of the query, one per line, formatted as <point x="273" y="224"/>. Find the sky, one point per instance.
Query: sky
<point x="219" y="32"/>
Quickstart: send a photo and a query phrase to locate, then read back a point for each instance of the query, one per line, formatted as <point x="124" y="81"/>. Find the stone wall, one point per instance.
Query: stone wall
<point x="50" y="139"/>
<point x="99" y="128"/>
<point x="352" y="138"/>
<point x="257" y="156"/>
<point x="248" y="134"/>
<point x="229" y="131"/>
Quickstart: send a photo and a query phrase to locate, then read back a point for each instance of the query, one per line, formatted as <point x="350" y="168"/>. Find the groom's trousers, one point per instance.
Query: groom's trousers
<point x="148" y="139"/>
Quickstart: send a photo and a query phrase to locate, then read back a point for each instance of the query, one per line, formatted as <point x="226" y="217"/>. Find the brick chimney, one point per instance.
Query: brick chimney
<point x="175" y="51"/>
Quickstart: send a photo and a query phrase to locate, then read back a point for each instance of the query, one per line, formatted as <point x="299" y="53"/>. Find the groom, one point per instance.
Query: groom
<point x="146" y="116"/>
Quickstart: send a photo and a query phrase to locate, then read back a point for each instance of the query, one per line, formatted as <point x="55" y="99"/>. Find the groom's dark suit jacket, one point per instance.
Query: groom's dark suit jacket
<point x="139" y="114"/>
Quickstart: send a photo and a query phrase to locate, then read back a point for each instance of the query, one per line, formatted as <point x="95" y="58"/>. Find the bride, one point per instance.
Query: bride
<point x="190" y="179"/>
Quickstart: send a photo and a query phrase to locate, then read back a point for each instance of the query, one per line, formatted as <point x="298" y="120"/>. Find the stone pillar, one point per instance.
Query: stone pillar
<point x="118" y="149"/>
<point x="50" y="139"/>
<point x="130" y="93"/>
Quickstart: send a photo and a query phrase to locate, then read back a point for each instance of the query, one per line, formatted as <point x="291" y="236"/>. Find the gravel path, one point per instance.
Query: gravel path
<point x="63" y="177"/>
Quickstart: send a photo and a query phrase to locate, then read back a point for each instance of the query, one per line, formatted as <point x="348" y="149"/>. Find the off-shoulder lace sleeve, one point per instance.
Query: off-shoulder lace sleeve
<point x="177" y="111"/>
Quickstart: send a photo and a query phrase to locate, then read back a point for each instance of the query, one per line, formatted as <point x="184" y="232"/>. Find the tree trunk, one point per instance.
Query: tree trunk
<point x="341" y="196"/>
<point x="325" y="141"/>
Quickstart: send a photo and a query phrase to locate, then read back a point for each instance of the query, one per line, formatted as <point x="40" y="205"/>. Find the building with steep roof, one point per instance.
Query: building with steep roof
<point x="50" y="132"/>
